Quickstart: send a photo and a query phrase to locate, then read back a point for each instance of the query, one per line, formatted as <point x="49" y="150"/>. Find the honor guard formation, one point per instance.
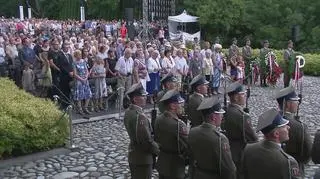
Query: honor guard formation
<point x="199" y="137"/>
<point x="200" y="125"/>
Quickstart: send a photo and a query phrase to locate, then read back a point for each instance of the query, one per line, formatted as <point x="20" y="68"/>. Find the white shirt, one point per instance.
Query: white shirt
<point x="153" y="65"/>
<point x="168" y="64"/>
<point x="102" y="55"/>
<point x="181" y="64"/>
<point x="203" y="53"/>
<point x="12" y="51"/>
<point x="2" y="55"/>
<point x="124" y="66"/>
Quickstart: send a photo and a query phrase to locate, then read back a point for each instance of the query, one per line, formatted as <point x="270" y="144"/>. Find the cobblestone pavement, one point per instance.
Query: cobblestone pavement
<point x="103" y="145"/>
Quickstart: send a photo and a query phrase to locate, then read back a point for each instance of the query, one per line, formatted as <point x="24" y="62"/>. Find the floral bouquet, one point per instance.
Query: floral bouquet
<point x="274" y="71"/>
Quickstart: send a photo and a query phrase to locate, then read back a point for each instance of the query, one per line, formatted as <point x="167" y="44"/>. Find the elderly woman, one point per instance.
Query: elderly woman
<point x="167" y="62"/>
<point x="181" y="67"/>
<point x="140" y="69"/>
<point x="81" y="89"/>
<point x="217" y="60"/>
<point x="154" y="68"/>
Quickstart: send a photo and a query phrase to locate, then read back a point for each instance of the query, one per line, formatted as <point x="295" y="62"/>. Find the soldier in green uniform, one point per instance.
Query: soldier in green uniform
<point x="171" y="134"/>
<point x="169" y="82"/>
<point x="237" y="123"/>
<point x="263" y="65"/>
<point x="199" y="86"/>
<point x="266" y="159"/>
<point x="315" y="154"/>
<point x="287" y="56"/>
<point x="234" y="49"/>
<point x="142" y="147"/>
<point x="247" y="57"/>
<point x="209" y="147"/>
<point x="300" y="144"/>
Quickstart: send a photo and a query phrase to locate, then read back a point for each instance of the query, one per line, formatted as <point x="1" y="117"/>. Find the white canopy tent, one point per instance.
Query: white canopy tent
<point x="182" y="19"/>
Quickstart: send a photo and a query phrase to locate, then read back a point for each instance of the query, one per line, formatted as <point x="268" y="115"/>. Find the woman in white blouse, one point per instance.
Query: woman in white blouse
<point x="167" y="62"/>
<point x="153" y="66"/>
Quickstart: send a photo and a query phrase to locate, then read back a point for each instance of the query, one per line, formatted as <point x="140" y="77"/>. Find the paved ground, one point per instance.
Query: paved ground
<point x="103" y="145"/>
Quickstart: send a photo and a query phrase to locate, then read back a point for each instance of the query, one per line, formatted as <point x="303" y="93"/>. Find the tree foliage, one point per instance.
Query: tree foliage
<point x="259" y="19"/>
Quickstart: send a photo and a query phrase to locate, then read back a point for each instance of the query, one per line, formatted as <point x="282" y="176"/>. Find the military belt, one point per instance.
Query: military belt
<point x="169" y="152"/>
<point x="206" y="171"/>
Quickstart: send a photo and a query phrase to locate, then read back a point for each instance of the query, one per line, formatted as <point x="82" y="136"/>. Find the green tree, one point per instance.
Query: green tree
<point x="103" y="9"/>
<point x="217" y="18"/>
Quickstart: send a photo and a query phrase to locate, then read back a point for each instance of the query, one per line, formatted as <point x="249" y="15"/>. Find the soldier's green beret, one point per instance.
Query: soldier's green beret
<point x="198" y="80"/>
<point x="270" y="120"/>
<point x="136" y="90"/>
<point x="210" y="105"/>
<point x="172" y="96"/>
<point x="236" y="88"/>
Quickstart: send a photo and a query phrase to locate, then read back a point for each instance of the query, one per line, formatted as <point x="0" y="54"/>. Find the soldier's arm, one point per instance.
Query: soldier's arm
<point x="228" y="168"/>
<point x="286" y="56"/>
<point x="307" y="143"/>
<point x="295" y="172"/>
<point x="144" y="137"/>
<point x="183" y="138"/>
<point x="315" y="154"/>
<point x="250" y="134"/>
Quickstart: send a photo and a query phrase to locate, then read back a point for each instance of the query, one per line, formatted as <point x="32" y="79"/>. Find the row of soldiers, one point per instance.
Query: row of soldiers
<point x="221" y="142"/>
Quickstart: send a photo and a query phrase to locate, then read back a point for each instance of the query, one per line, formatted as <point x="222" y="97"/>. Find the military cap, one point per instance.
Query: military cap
<point x="172" y="96"/>
<point x="287" y="94"/>
<point x="235" y="88"/>
<point x="136" y="90"/>
<point x="210" y="105"/>
<point x="270" y="120"/>
<point x="198" y="80"/>
<point x="169" y="78"/>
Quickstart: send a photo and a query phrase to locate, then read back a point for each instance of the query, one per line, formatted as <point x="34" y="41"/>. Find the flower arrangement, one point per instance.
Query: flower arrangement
<point x="274" y="71"/>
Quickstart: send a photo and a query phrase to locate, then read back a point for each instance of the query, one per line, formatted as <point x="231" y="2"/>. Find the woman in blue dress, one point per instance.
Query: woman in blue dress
<point x="81" y="86"/>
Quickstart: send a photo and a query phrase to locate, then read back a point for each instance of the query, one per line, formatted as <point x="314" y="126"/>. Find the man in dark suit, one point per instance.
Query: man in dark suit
<point x="237" y="123"/>
<point x="266" y="159"/>
<point x="171" y="134"/>
<point x="65" y="64"/>
<point x="199" y="86"/>
<point x="142" y="147"/>
<point x="210" y="148"/>
<point x="300" y="144"/>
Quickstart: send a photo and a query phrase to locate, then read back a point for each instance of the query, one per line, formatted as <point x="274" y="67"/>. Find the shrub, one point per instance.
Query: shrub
<point x="28" y="124"/>
<point x="312" y="61"/>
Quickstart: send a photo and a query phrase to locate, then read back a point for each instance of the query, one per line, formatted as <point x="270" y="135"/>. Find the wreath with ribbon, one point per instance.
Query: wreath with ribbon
<point x="274" y="70"/>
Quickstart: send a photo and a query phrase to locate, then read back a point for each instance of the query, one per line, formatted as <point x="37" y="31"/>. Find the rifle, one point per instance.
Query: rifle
<point x="154" y="110"/>
<point x="246" y="109"/>
<point x="153" y="120"/>
<point x="300" y="99"/>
